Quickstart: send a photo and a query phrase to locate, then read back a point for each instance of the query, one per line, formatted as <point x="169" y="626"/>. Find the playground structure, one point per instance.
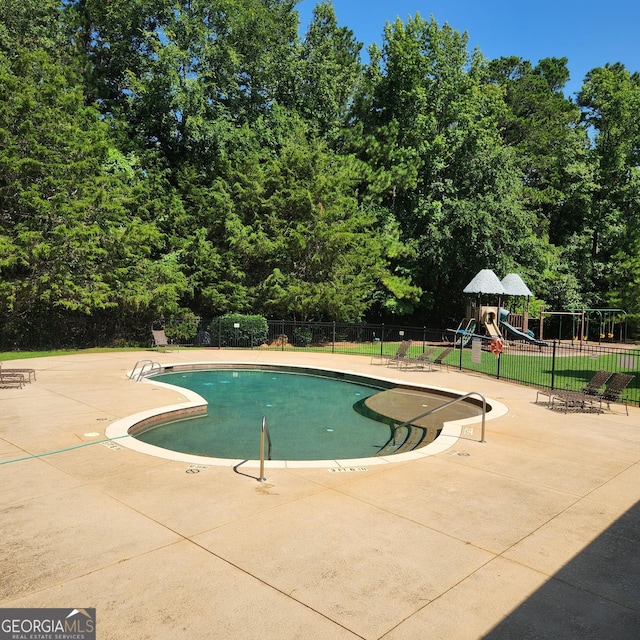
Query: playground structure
<point x="497" y="323"/>
<point x="493" y="321"/>
<point x="608" y="323"/>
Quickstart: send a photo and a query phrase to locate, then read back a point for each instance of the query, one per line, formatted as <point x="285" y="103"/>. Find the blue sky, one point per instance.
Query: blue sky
<point x="589" y="33"/>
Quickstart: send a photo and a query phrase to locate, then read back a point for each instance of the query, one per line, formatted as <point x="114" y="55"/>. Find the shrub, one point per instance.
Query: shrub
<point x="251" y="330"/>
<point x="182" y="329"/>
<point x="302" y="336"/>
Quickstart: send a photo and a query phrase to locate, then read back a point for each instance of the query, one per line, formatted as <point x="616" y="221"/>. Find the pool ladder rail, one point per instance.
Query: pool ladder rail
<point x="264" y="431"/>
<point x="408" y="423"/>
<point x="144" y="368"/>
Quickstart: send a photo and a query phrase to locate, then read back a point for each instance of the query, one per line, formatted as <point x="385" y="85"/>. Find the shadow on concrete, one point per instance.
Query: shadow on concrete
<point x="594" y="596"/>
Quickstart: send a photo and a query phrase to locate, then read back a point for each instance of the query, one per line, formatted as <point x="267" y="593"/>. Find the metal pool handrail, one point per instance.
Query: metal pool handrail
<point x="153" y="365"/>
<point x="264" y="429"/>
<point x="446" y="404"/>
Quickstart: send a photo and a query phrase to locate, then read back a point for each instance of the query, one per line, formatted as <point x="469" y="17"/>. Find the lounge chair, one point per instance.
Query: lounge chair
<point x="439" y="359"/>
<point x="400" y="355"/>
<point x="612" y="393"/>
<point x="593" y="387"/>
<point x="613" y="390"/>
<point x="11" y="379"/>
<point x="421" y="361"/>
<point x="23" y="373"/>
<point x="159" y="338"/>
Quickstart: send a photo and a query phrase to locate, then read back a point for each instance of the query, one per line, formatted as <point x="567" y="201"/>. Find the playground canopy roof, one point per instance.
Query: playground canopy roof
<point x="515" y="286"/>
<point x="485" y="281"/>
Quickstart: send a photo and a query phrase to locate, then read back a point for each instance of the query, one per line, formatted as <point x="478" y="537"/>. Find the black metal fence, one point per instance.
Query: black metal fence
<point x="560" y="365"/>
<point x="336" y="337"/>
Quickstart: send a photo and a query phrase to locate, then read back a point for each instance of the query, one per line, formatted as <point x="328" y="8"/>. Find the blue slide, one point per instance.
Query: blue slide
<point x="466" y="334"/>
<point x="516" y="334"/>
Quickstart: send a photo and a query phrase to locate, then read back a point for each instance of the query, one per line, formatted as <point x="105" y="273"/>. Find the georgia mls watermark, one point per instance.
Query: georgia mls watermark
<point x="47" y="624"/>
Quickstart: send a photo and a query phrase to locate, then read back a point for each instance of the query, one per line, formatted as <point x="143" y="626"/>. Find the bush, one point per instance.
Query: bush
<point x="182" y="329"/>
<point x="302" y="336"/>
<point x="251" y="330"/>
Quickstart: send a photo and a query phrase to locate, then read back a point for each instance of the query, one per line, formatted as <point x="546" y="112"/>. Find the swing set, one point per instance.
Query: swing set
<point x="607" y="320"/>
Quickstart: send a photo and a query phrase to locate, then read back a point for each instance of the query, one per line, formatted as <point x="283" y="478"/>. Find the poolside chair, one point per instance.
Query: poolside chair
<point x="420" y="361"/>
<point x="400" y="355"/>
<point x="439" y="360"/>
<point x="159" y="338"/>
<point x="11" y="379"/>
<point x="612" y="393"/>
<point x="593" y="387"/>
<point x="25" y="373"/>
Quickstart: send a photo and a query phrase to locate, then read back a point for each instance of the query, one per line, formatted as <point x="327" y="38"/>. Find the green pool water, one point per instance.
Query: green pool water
<point x="310" y="417"/>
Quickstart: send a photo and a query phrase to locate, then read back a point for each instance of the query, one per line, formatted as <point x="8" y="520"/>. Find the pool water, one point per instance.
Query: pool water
<point x="309" y="417"/>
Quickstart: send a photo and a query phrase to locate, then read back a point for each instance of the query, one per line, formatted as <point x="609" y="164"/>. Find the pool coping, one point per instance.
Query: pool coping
<point x="120" y="430"/>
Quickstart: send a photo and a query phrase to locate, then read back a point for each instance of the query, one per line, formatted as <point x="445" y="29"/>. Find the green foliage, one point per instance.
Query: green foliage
<point x="302" y="336"/>
<point x="180" y="157"/>
<point x="251" y="330"/>
<point x="430" y="129"/>
<point x="180" y="329"/>
<point x="328" y="73"/>
<point x="610" y="98"/>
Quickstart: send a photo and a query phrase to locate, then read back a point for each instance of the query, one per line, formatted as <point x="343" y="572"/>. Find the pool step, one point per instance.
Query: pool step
<point x="413" y="439"/>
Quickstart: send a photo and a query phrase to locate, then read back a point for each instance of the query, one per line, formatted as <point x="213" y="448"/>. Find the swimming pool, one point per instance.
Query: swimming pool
<point x="309" y="416"/>
<point x="390" y="404"/>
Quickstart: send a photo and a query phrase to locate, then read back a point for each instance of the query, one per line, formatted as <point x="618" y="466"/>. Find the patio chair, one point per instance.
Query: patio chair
<point x="25" y="373"/>
<point x="420" y="361"/>
<point x="439" y="359"/>
<point x="400" y="355"/>
<point x="612" y="393"/>
<point x="593" y="387"/>
<point x="159" y="338"/>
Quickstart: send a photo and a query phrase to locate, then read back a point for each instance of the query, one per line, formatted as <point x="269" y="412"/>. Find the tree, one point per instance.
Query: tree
<point x="307" y="246"/>
<point x="551" y="147"/>
<point x="69" y="239"/>
<point x="30" y="24"/>
<point x="329" y="71"/>
<point x="429" y="130"/>
<point x="610" y="99"/>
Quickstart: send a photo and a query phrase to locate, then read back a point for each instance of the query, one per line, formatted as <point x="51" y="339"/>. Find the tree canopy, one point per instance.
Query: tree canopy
<point x="190" y="157"/>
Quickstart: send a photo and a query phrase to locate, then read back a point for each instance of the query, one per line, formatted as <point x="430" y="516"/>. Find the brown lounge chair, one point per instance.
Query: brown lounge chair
<point x="11" y="380"/>
<point x="611" y="394"/>
<point x="159" y="338"/>
<point x="15" y="377"/>
<point x="400" y="355"/>
<point x="593" y="387"/>
<point x="439" y="359"/>
<point x="421" y="361"/>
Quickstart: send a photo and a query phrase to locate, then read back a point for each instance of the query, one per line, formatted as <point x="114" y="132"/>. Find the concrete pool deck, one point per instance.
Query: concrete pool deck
<point x="534" y="533"/>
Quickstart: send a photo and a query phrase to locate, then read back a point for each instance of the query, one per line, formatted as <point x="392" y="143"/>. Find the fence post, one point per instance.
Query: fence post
<point x="382" y="341"/>
<point x="553" y="366"/>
